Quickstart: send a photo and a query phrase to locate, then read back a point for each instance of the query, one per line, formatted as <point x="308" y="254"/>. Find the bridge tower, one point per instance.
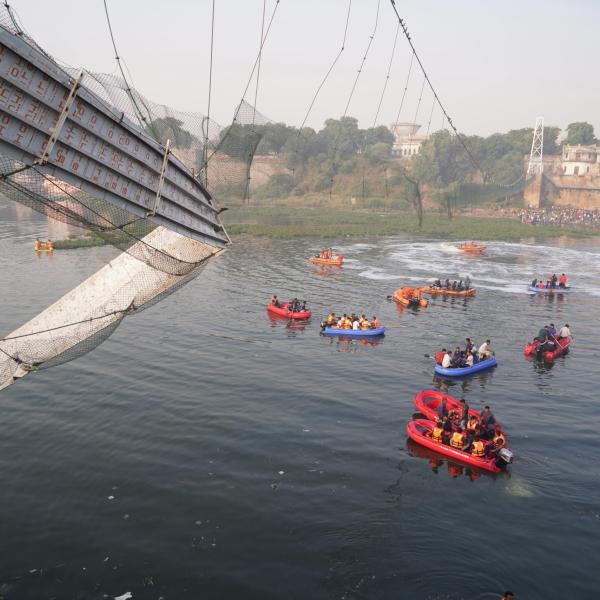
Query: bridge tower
<point x="532" y="195"/>
<point x="536" y="157"/>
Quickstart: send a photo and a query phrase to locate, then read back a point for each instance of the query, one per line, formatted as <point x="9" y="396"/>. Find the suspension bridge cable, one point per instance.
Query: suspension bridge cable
<point x="364" y="58"/>
<point x="439" y="102"/>
<point x="235" y="116"/>
<point x="210" y="72"/>
<point x="262" y="32"/>
<point x="412" y="58"/>
<point x="418" y="106"/>
<point x="387" y="77"/>
<point x="358" y="73"/>
<point x="331" y="67"/>
<point x="128" y="89"/>
<point x="430" y="116"/>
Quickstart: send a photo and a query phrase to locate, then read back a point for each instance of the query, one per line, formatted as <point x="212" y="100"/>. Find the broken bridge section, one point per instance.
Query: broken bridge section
<point x="52" y="122"/>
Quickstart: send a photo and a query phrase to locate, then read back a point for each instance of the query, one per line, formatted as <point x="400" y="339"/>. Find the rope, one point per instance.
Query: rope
<point x="249" y="80"/>
<point x="210" y="71"/>
<point x="143" y="121"/>
<point x="412" y="58"/>
<point x="436" y="97"/>
<point x="387" y="77"/>
<point x="360" y="68"/>
<point x="262" y="31"/>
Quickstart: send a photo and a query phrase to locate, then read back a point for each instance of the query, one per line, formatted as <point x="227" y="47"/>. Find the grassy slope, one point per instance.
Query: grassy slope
<point x="287" y="223"/>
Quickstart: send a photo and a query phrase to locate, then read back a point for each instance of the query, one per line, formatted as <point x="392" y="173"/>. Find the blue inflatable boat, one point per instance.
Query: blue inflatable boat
<point x="353" y="333"/>
<point x="488" y="363"/>
<point x="550" y="290"/>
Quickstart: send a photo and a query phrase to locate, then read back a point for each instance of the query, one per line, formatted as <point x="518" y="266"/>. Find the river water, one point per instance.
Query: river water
<point x="207" y="451"/>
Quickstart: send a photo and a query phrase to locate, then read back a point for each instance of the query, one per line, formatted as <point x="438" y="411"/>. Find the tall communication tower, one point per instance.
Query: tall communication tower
<point x="536" y="158"/>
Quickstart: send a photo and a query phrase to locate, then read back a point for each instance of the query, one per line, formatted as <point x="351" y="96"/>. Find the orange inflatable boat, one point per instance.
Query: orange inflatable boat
<point x="409" y="297"/>
<point x="336" y="261"/>
<point x="472" y="247"/>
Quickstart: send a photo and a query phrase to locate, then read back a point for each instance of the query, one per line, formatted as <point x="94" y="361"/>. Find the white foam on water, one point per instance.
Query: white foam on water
<point x="378" y="274"/>
<point x="519" y="488"/>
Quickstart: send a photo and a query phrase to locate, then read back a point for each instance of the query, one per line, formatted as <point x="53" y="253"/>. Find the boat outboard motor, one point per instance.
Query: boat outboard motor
<point x="504" y="458"/>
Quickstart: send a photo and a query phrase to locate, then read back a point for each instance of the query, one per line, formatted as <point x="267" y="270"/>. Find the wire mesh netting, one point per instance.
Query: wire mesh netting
<point x="156" y="260"/>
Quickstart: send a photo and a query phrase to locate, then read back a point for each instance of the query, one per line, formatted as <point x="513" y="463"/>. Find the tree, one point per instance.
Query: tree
<point x="580" y="133"/>
<point x="170" y="128"/>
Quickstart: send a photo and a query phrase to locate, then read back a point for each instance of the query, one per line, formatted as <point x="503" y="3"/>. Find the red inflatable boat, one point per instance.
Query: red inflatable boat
<point x="562" y="347"/>
<point x="282" y="311"/>
<point x="419" y="430"/>
<point x="427" y="402"/>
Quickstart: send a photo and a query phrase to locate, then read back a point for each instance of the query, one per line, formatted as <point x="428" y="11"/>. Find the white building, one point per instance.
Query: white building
<point x="407" y="142"/>
<point x="580" y="160"/>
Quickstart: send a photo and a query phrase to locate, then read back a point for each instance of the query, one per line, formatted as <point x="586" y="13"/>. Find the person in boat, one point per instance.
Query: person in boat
<point x="564" y="332"/>
<point x="442" y="408"/>
<point x="508" y="595"/>
<point x="355" y="325"/>
<point x="469" y="345"/>
<point x="534" y="282"/>
<point x="457" y="439"/>
<point x="456" y="357"/>
<point x="562" y="281"/>
<point x="473" y="425"/>
<point x="274" y="301"/>
<point x="554" y="279"/>
<point x="540" y="285"/>
<point x="447" y="284"/>
<point x="484" y="350"/>
<point x="437" y="284"/>
<point x="331" y="320"/>
<point x="487" y="422"/>
<point x="499" y="439"/>
<point x="477" y="448"/>
<point x="375" y="324"/>
<point x="551" y="330"/>
<point x="437" y="434"/>
<point x="453" y="286"/>
<point x="365" y="324"/>
<point x="459" y="286"/>
<point x="469" y="360"/>
<point x="464" y="414"/>
<point x="542" y="335"/>
<point x="439" y="357"/>
<point x="447" y="360"/>
<point x="467" y="283"/>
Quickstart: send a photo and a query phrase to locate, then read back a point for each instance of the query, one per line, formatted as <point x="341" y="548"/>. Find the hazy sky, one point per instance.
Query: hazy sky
<point x="496" y="64"/>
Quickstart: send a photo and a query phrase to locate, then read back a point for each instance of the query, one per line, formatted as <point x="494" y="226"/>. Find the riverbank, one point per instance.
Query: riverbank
<point x="288" y="223"/>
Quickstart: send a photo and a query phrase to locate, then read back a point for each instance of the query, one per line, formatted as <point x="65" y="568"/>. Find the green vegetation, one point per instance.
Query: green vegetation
<point x="580" y="133"/>
<point x="287" y="223"/>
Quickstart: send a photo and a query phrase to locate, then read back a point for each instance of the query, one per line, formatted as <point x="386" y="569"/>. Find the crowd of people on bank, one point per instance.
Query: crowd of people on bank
<point x="561" y="217"/>
<point x="552" y="282"/>
<point x="459" y="286"/>
<point x="460" y="359"/>
<point x="352" y="321"/>
<point x="479" y="435"/>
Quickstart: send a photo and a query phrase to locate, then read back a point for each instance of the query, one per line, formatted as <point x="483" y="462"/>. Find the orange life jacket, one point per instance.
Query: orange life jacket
<point x="456" y="441"/>
<point x="472" y="425"/>
<point x="436" y="434"/>
<point x="562" y="279"/>
<point x="477" y="448"/>
<point x="499" y="440"/>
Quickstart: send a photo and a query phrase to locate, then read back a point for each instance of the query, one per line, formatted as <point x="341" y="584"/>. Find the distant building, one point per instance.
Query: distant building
<point x="580" y="160"/>
<point x="406" y="141"/>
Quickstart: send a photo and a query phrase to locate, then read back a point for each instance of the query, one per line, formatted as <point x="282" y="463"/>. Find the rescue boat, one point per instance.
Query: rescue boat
<point x="282" y="311"/>
<point x="329" y="262"/>
<point x="43" y="246"/>
<point x="549" y="290"/>
<point x="562" y="347"/>
<point x="486" y="363"/>
<point x="444" y="292"/>
<point x="409" y="297"/>
<point x="419" y="430"/>
<point x="472" y="247"/>
<point x="353" y="333"/>
<point x="427" y="402"/>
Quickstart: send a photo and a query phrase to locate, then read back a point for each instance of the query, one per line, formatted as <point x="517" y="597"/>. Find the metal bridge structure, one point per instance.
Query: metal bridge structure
<point x="51" y="120"/>
<point x="70" y="148"/>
